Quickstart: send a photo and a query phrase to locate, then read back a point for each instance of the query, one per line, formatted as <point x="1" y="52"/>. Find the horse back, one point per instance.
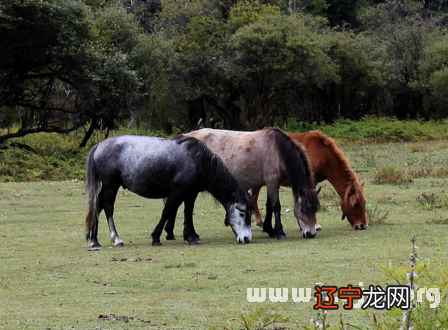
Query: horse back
<point x="250" y="156"/>
<point x="147" y="166"/>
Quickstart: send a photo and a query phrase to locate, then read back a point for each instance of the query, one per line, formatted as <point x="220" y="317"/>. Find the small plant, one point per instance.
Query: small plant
<point x="261" y="318"/>
<point x="387" y="199"/>
<point x="424" y="313"/>
<point x="441" y="172"/>
<point x="429" y="201"/>
<point x="419" y="147"/>
<point x="440" y="218"/>
<point x="389" y="174"/>
<point x="370" y="160"/>
<point x="375" y="216"/>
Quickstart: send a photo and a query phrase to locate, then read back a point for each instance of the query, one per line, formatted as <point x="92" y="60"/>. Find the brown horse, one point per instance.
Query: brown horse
<point x="267" y="157"/>
<point x="329" y="163"/>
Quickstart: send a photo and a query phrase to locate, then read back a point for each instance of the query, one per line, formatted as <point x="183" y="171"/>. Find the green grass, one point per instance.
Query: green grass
<point x="49" y="279"/>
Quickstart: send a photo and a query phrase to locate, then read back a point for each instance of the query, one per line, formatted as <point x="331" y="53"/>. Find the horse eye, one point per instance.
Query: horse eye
<point x="356" y="205"/>
<point x="242" y="214"/>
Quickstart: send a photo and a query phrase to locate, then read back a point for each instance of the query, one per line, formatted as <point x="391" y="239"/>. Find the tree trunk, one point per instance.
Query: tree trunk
<point x="89" y="133"/>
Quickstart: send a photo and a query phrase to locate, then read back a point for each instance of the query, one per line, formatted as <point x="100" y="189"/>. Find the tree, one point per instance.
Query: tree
<point x="56" y="71"/>
<point x="402" y="30"/>
<point x="354" y="93"/>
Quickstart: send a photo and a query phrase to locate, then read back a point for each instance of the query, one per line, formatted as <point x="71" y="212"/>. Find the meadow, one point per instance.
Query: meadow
<point x="50" y="280"/>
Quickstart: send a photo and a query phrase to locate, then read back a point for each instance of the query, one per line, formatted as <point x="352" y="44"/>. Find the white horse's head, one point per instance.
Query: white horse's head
<point x="238" y="217"/>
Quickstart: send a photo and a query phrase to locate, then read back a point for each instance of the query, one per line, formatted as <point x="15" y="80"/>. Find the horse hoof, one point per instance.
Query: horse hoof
<point x="170" y="238"/>
<point x="95" y="245"/>
<point x="194" y="242"/>
<point x="156" y="244"/>
<point x="270" y="233"/>
<point x="281" y="237"/>
<point x="121" y="244"/>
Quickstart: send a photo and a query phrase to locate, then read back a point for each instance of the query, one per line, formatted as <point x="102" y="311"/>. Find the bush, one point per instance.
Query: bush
<point x="389" y="174"/>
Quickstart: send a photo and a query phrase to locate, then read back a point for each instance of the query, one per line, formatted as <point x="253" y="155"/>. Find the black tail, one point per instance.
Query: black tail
<point x="92" y="190"/>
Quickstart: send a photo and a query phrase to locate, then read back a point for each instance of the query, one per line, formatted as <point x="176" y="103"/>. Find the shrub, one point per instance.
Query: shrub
<point x="389" y="174"/>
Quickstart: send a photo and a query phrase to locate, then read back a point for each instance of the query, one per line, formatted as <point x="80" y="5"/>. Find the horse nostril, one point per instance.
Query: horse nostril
<point x="362" y="226"/>
<point x="309" y="234"/>
<point x="246" y="239"/>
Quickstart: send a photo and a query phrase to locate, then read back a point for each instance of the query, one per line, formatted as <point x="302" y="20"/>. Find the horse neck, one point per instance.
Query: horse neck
<point x="338" y="181"/>
<point x="333" y="167"/>
<point x="218" y="181"/>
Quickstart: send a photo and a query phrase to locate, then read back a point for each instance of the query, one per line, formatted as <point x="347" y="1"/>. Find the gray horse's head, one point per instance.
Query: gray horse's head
<point x="238" y="217"/>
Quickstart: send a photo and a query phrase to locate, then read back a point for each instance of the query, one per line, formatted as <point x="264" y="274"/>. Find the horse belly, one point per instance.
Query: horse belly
<point x="150" y="181"/>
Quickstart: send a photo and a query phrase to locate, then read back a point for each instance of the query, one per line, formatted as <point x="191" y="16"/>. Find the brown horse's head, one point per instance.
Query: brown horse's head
<point x="305" y="208"/>
<point x="354" y="206"/>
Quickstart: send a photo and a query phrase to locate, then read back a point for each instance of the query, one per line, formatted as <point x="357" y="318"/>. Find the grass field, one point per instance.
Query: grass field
<point x="49" y="279"/>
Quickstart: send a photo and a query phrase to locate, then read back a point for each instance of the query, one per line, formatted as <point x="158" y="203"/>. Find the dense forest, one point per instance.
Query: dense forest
<point x="175" y="65"/>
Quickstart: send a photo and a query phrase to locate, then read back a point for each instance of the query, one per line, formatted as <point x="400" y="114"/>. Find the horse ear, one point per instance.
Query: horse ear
<point x="343" y="216"/>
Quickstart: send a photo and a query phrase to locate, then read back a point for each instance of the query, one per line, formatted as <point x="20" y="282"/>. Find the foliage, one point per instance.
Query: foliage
<point x="429" y="201"/>
<point x="174" y="65"/>
<point x="61" y="150"/>
<point x="390" y="174"/>
<point x="375" y="216"/>
<point x="421" y="274"/>
<point x="58" y="69"/>
<point x="259" y="319"/>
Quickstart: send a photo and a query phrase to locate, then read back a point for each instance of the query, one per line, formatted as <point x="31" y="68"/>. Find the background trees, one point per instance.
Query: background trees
<point x="58" y="69"/>
<point x="178" y="64"/>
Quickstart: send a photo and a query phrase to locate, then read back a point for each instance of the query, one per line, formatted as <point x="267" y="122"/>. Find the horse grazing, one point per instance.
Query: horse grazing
<point x="329" y="163"/>
<point x="267" y="157"/>
<point x="155" y="168"/>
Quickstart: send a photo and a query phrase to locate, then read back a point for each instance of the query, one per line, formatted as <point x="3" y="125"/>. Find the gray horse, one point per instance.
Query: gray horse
<point x="153" y="167"/>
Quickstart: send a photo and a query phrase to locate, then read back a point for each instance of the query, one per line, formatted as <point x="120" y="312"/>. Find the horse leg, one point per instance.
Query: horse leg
<point x="276" y="208"/>
<point x="190" y="234"/>
<point x="267" y="225"/>
<point x="169" y="227"/>
<point x="258" y="219"/>
<point x="169" y="212"/>
<point x="94" y="232"/>
<point x="108" y="195"/>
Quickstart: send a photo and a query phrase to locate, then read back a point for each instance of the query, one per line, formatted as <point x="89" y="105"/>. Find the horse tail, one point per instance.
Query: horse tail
<point x="92" y="189"/>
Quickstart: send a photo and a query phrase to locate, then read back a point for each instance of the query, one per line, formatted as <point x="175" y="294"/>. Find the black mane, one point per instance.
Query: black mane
<point x="297" y="166"/>
<point x="215" y="176"/>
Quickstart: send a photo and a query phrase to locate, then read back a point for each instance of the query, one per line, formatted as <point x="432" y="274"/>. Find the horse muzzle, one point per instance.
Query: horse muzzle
<point x="309" y="234"/>
<point x="360" y="226"/>
<point x="244" y="239"/>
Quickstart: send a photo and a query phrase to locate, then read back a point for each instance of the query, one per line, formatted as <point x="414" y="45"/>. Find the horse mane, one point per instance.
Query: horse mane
<point x="296" y="163"/>
<point x="353" y="186"/>
<point x="216" y="178"/>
